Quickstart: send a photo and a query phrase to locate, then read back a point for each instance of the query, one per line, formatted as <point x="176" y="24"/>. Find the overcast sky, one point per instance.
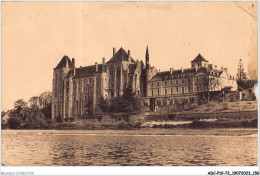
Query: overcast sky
<point x="36" y="35"/>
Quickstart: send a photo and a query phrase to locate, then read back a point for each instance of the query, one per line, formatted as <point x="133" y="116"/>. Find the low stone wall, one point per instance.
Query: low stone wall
<point x="139" y="118"/>
<point x="239" y="115"/>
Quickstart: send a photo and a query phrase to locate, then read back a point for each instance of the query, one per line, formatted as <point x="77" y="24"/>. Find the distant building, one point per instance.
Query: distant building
<point x="77" y="91"/>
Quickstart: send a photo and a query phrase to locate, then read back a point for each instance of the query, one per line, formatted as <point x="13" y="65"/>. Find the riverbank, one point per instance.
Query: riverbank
<point x="210" y="115"/>
<point x="78" y="125"/>
<point x="149" y="132"/>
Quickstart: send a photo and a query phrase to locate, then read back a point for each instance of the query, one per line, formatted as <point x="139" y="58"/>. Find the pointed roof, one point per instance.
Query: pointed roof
<point x="199" y="58"/>
<point x="120" y="55"/>
<point x="147" y="52"/>
<point x="62" y="63"/>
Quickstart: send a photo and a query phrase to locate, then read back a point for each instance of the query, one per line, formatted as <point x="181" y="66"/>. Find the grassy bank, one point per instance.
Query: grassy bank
<point x="212" y="107"/>
<point x="212" y="124"/>
<point x="126" y="126"/>
<point x="79" y="126"/>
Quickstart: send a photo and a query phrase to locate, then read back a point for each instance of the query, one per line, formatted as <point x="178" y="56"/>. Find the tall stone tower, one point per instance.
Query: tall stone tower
<point x="147" y="57"/>
<point x="59" y="72"/>
<point x="149" y="72"/>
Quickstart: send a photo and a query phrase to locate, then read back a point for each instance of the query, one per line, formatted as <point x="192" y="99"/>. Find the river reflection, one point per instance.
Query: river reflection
<point x="129" y="148"/>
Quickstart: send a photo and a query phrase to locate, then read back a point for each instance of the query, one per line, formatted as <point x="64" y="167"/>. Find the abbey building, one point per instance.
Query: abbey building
<point x="77" y="91"/>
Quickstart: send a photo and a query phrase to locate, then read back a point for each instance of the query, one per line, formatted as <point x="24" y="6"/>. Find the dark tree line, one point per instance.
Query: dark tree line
<point x="33" y="114"/>
<point x="127" y="103"/>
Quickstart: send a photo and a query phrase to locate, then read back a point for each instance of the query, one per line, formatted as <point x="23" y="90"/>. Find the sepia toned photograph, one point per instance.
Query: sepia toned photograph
<point x="129" y="83"/>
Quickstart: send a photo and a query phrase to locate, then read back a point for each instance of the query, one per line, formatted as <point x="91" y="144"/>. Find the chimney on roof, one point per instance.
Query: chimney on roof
<point x="171" y="71"/>
<point x="225" y="70"/>
<point x="181" y="70"/>
<point x="196" y="67"/>
<point x="210" y="67"/>
<point x="114" y="51"/>
<point x="67" y="63"/>
<point x="129" y="53"/>
<point x="103" y="64"/>
<point x="73" y="62"/>
<point x="96" y="65"/>
<point x="74" y="71"/>
<point x="129" y="56"/>
<point x="222" y="69"/>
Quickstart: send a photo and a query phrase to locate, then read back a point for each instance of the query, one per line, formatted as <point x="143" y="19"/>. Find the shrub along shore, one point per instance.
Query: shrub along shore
<point x="13" y="123"/>
<point x="229" y="109"/>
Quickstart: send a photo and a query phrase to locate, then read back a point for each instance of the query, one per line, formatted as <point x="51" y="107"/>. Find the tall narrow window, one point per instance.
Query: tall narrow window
<point x="158" y="92"/>
<point x="171" y="91"/>
<point x="165" y="91"/>
<point x="152" y="93"/>
<point x="182" y="90"/>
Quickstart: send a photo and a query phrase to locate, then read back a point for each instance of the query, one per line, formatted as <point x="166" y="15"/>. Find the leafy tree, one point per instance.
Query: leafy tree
<point x="34" y="101"/>
<point x="211" y="83"/>
<point x="89" y="105"/>
<point x="41" y="101"/>
<point x="35" y="117"/>
<point x="127" y="103"/>
<point x="19" y="105"/>
<point x="241" y="74"/>
<point x="45" y="99"/>
<point x="3" y="123"/>
<point x="103" y="104"/>
<point x="47" y="111"/>
<point x="13" y="122"/>
<point x="3" y="113"/>
<point x="32" y="113"/>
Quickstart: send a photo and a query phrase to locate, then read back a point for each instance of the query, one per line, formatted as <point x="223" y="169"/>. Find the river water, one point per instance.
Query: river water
<point x="146" y="147"/>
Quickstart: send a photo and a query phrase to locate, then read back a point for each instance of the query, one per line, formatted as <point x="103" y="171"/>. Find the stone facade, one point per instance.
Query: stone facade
<point x="77" y="91"/>
<point x="187" y="86"/>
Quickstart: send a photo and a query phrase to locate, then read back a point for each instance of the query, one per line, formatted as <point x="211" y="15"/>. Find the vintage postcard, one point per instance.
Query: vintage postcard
<point x="129" y="83"/>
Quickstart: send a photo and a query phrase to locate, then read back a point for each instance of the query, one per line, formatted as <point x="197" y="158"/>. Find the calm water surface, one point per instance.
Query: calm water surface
<point x="125" y="147"/>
